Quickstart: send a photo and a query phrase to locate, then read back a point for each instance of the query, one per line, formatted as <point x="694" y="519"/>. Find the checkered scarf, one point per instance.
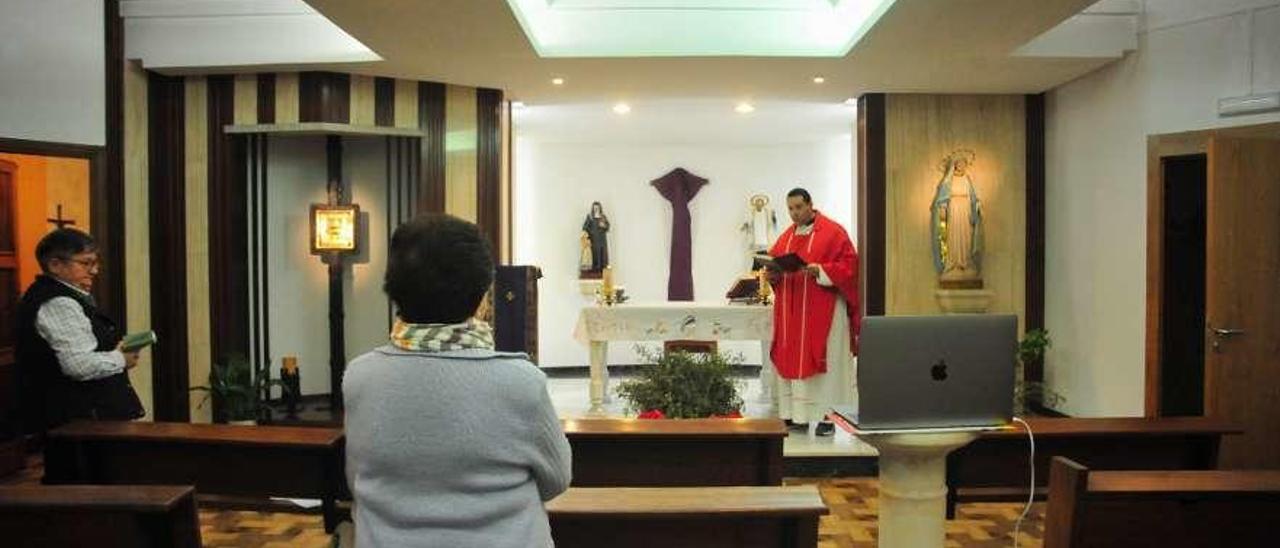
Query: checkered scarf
<point x="439" y="337"/>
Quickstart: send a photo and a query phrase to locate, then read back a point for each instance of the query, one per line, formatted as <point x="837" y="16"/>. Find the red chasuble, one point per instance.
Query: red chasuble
<point x="802" y="309"/>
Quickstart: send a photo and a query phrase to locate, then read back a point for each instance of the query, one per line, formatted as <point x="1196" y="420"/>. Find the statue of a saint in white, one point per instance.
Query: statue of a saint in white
<point x="761" y="224"/>
<point x="956" y="223"/>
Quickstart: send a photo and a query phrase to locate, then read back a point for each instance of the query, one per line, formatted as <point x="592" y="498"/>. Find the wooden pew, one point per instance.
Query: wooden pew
<point x="994" y="467"/>
<point x="675" y="453"/>
<point x="217" y="459"/>
<point x="1161" y="509"/>
<point x="99" y="516"/>
<point x="705" y="517"/>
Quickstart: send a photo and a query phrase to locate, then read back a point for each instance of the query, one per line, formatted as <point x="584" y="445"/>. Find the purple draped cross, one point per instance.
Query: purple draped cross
<point x="679" y="187"/>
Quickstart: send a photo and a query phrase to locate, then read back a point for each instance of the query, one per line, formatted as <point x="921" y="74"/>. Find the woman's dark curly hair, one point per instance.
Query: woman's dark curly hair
<point x="438" y="269"/>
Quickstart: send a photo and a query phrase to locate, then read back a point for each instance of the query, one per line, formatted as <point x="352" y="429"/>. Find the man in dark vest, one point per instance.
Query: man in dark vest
<point x="69" y="362"/>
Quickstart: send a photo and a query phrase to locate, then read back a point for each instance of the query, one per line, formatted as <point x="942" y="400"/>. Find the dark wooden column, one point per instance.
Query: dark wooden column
<point x="107" y="224"/>
<point x="871" y="202"/>
<point x="229" y="234"/>
<point x="168" y="221"/>
<point x="431" y="113"/>
<point x="489" y="166"/>
<point x="1035" y="214"/>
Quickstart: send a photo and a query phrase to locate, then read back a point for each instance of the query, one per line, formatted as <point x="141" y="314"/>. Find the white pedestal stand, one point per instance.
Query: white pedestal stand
<point x="913" y="489"/>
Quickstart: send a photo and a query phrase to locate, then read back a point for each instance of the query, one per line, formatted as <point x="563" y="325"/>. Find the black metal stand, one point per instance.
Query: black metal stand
<point x="292" y="392"/>
<point x="337" y="333"/>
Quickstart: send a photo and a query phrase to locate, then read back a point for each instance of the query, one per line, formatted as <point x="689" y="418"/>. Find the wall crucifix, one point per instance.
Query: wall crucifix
<point x="59" y="221"/>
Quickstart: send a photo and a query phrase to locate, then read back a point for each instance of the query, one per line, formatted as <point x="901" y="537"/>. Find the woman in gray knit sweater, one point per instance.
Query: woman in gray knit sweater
<point x="449" y="443"/>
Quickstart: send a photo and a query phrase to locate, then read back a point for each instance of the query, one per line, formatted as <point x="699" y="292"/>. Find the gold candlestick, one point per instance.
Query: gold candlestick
<point x="764" y="290"/>
<point x="606" y="285"/>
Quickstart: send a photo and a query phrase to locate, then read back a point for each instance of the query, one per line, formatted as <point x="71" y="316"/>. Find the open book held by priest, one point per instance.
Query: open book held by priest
<point x="785" y="263"/>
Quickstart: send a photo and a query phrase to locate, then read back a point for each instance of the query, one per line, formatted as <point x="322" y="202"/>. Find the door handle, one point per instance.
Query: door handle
<point x="1220" y="334"/>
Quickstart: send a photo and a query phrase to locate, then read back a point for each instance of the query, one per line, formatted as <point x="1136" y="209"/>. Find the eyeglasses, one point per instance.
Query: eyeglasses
<point x="88" y="264"/>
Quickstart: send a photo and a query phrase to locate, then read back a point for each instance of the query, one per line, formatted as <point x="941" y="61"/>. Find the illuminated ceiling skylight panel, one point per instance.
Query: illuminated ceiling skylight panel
<point x="654" y="28"/>
<point x="692" y="4"/>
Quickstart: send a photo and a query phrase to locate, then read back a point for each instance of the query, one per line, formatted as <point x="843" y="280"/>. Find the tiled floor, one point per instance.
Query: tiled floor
<point x="851" y="523"/>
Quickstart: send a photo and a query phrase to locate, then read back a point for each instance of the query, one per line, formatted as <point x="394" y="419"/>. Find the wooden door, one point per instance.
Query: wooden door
<point x="1242" y="301"/>
<point x="12" y="448"/>
<point x="8" y="262"/>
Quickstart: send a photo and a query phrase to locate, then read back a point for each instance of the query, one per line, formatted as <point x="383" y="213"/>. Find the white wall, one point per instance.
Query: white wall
<point x="299" y="282"/>
<point x="367" y="325"/>
<point x="51" y="71"/>
<point x="187" y="34"/>
<point x="1192" y="53"/>
<point x="559" y="174"/>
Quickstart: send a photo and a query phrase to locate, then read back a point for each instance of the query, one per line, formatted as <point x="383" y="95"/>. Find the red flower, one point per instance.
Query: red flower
<point x="735" y="414"/>
<point x="652" y="414"/>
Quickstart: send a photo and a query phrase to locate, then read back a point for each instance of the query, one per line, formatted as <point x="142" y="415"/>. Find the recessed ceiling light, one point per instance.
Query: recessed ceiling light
<point x="819" y="79"/>
<point x="622" y="108"/>
<point x="557" y="81"/>
<point x="744" y="108"/>
<point x="517" y="104"/>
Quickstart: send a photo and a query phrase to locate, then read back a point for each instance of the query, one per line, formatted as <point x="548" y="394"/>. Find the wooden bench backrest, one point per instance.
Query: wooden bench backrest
<point x="1165" y="509"/>
<point x="998" y="457"/>
<point x="92" y="515"/>
<point x="219" y="434"/>
<point x="708" y="517"/>
<point x="1118" y="427"/>
<point x="674" y="453"/>
<point x="676" y="502"/>
<point x="218" y="459"/>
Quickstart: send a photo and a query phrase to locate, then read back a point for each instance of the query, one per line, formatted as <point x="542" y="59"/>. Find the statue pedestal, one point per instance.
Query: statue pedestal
<point x="965" y="301"/>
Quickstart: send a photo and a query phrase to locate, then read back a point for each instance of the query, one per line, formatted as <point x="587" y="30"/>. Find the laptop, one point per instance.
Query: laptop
<point x="934" y="372"/>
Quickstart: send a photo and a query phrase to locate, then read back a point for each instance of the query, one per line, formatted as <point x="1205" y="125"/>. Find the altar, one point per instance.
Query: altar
<point x="599" y="325"/>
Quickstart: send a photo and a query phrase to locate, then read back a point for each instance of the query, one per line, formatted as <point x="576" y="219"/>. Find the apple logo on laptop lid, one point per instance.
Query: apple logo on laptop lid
<point x="939" y="371"/>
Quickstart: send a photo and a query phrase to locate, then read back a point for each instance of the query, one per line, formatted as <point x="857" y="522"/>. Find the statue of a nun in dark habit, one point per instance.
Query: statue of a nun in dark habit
<point x="596" y="229"/>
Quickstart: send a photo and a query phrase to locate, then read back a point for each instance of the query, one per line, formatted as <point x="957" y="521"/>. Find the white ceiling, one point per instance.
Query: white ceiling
<point x="955" y="46"/>
<point x="676" y="122"/>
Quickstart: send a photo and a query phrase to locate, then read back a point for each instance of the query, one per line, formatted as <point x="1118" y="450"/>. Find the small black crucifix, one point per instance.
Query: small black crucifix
<point x="62" y="223"/>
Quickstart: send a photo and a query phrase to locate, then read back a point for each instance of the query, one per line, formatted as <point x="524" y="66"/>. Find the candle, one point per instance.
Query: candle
<point x="763" y="290"/>
<point x="607" y="282"/>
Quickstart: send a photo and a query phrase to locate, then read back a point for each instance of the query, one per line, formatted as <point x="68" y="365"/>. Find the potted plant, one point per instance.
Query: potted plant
<point x="1030" y="389"/>
<point x="680" y="385"/>
<point x="235" y="392"/>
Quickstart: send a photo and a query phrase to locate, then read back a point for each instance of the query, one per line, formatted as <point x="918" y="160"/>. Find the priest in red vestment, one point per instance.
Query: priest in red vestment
<point x="815" y="316"/>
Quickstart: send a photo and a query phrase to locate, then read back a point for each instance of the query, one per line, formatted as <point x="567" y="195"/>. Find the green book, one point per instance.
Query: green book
<point x="134" y="342"/>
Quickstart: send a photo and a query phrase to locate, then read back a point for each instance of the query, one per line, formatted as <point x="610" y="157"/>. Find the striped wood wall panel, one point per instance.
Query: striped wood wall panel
<point x="245" y="101"/>
<point x="196" y="170"/>
<point x="407" y="98"/>
<point x="460" y="145"/>
<point x="431" y="120"/>
<point x="201" y="175"/>
<point x="137" y="259"/>
<point x="286" y="98"/>
<point x="362" y="100"/>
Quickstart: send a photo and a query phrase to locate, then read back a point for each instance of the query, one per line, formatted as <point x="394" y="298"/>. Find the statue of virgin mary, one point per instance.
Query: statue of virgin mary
<point x="956" y="223"/>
